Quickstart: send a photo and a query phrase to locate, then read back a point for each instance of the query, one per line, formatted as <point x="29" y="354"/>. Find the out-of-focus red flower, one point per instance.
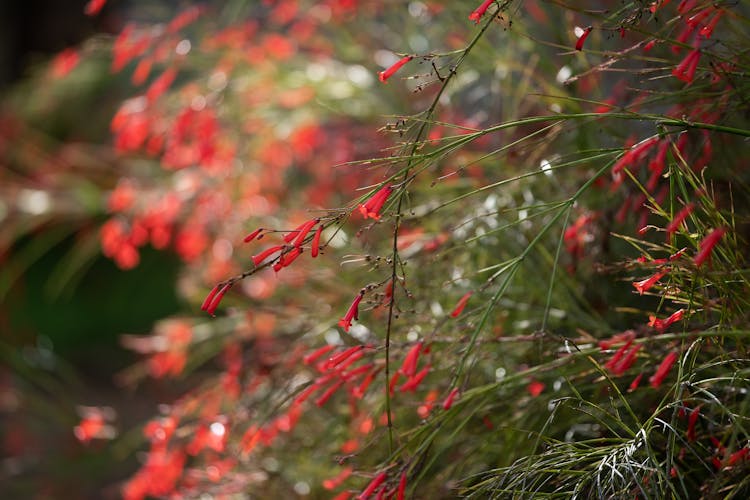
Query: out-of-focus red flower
<point x="64" y="63"/>
<point x="94" y="7"/>
<point x="460" y="305"/>
<point x="663" y="370"/>
<point x="707" y="245"/>
<point x="535" y="388"/>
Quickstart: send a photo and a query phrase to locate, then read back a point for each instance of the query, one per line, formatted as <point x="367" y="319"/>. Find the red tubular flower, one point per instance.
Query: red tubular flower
<point x="302" y="396"/>
<point x="257" y="259"/>
<point x="289" y="257"/>
<point x="379" y="479"/>
<point x="677" y="254"/>
<point x="708" y="29"/>
<point x="316" y="242"/>
<point x="250" y="237"/>
<point x="449" y="400"/>
<point x="409" y="367"/>
<point x="679" y="218"/>
<point x="385" y="75"/>
<point x="211" y="309"/>
<point x="645" y="285"/>
<point x="394" y="380"/>
<point x="288" y="237"/>
<point x="317" y="353"/>
<point x="349" y="362"/>
<point x="583" y="37"/>
<point x="738" y="455"/>
<point x="210" y="297"/>
<point x="460" y="305"/>
<point x="413" y="382"/>
<point x="360" y="390"/>
<point x="626" y="362"/>
<point x="354" y="372"/>
<point x="335" y="482"/>
<point x="352" y="313"/>
<point x="663" y="370"/>
<point x="634" y="154"/>
<point x="685" y="71"/>
<point x="686" y="6"/>
<point x="663" y="324"/>
<point x="371" y="208"/>
<point x="479" y="12"/>
<point x="617" y="356"/>
<point x="303" y="230"/>
<point x="635" y="383"/>
<point x="692" y="420"/>
<point x="339" y="358"/>
<point x="323" y="399"/>
<point x="616" y="339"/>
<point x="401" y="492"/>
<point x="708" y="244"/>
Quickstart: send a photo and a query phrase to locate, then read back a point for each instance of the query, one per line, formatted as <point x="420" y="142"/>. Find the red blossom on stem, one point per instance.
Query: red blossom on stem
<point x="646" y="284"/>
<point x="679" y="218"/>
<point x="257" y="259"/>
<point x="250" y="237"/>
<point x="286" y="259"/>
<point x="339" y="358"/>
<point x="372" y="207"/>
<point x="316" y="242"/>
<point x="663" y="324"/>
<point x="361" y="389"/>
<point x="460" y="305"/>
<point x="214" y="297"/>
<point x="323" y="399"/>
<point x="479" y="12"/>
<point x="615" y="359"/>
<point x="584" y="35"/>
<point x="616" y="339"/>
<point x="401" y="492"/>
<point x="685" y="71"/>
<point x="352" y="313"/>
<point x="413" y="382"/>
<point x="635" y="383"/>
<point x="449" y="400"/>
<point x="626" y="362"/>
<point x="317" y="353"/>
<point x="708" y="244"/>
<point x="409" y="367"/>
<point x="303" y="230"/>
<point x="663" y="370"/>
<point x="370" y="489"/>
<point x="707" y="30"/>
<point x="634" y="154"/>
<point x="335" y="482"/>
<point x="385" y="75"/>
